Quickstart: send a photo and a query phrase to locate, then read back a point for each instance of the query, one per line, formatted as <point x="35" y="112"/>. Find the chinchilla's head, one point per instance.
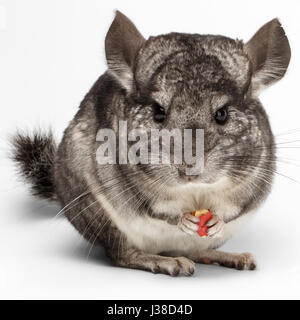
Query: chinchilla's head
<point x="192" y="81"/>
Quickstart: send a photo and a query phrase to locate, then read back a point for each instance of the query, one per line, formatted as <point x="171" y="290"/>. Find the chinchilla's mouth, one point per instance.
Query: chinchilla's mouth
<point x="196" y="179"/>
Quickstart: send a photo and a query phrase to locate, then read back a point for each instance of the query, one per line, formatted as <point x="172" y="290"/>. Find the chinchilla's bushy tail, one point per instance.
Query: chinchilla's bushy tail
<point x="34" y="155"/>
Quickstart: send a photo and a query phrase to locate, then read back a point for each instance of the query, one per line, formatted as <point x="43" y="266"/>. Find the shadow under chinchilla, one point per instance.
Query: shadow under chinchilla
<point x="30" y="209"/>
<point x="83" y="252"/>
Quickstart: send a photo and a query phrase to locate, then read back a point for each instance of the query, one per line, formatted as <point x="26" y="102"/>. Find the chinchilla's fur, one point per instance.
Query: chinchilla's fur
<point x="141" y="213"/>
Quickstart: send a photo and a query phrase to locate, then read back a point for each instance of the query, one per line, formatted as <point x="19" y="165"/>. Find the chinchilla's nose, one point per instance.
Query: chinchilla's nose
<point x="185" y="175"/>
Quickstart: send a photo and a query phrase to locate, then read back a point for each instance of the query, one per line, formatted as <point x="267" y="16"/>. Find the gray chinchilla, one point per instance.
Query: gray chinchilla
<point x="141" y="213"/>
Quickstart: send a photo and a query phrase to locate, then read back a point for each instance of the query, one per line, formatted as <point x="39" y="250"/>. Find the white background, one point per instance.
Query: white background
<point x="51" y="52"/>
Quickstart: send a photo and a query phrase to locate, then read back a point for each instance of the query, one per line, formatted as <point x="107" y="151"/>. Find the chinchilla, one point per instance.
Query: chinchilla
<point x="141" y="213"/>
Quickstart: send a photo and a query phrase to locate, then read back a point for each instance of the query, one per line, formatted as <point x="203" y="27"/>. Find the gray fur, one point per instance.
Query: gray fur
<point x="191" y="76"/>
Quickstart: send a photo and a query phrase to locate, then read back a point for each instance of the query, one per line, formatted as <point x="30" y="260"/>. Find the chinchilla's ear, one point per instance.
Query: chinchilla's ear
<point x="270" y="53"/>
<point x="122" y="43"/>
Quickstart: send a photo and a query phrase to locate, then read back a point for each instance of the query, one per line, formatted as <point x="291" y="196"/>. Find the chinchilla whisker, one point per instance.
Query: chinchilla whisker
<point x="84" y="209"/>
<point x="76" y="203"/>
<point x="275" y="147"/>
<point x="160" y="187"/>
<point x="274" y="171"/>
<point x="283" y="161"/>
<point x="61" y="211"/>
<point x="291" y="147"/>
<point x="123" y="241"/>
<point x="100" y="226"/>
<point x="134" y="196"/>
<point x="292" y="131"/>
<point x="118" y="253"/>
<point x="101" y="188"/>
<point x="286" y="142"/>
<point x="79" y="201"/>
<point x="95" y="238"/>
<point x="242" y="182"/>
<point x="118" y="195"/>
<point x="252" y="183"/>
<point x="132" y="184"/>
<point x="285" y="176"/>
<point x="154" y="184"/>
<point x="247" y="172"/>
<point x="90" y="223"/>
<point x="283" y="157"/>
<point x="85" y="193"/>
<point x="265" y="160"/>
<point x="87" y="227"/>
<point x="248" y="166"/>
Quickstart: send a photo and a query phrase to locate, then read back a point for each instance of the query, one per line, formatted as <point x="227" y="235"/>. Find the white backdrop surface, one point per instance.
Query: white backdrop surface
<point x="51" y="52"/>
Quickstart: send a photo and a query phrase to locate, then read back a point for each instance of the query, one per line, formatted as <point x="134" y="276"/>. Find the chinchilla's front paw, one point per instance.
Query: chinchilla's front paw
<point x="215" y="227"/>
<point x="188" y="224"/>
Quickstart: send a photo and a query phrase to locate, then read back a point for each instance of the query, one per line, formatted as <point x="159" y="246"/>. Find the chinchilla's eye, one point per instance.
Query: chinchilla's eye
<point x="159" y="113"/>
<point x="221" y="115"/>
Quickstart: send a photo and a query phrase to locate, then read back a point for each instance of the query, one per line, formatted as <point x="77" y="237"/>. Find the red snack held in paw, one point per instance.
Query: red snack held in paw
<point x="204" y="216"/>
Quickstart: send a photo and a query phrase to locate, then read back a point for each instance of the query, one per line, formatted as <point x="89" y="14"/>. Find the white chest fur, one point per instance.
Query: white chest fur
<point x="154" y="235"/>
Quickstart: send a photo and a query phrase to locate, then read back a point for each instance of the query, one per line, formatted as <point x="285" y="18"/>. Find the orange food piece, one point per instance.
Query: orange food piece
<point x="204" y="216"/>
